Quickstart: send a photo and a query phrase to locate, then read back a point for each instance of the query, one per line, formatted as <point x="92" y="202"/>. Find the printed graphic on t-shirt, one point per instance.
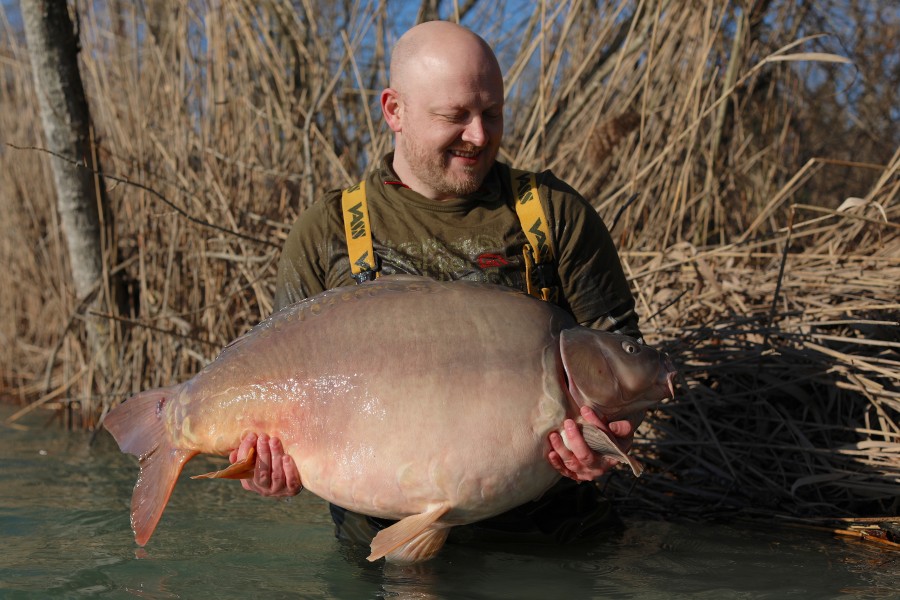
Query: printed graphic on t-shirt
<point x="480" y="258"/>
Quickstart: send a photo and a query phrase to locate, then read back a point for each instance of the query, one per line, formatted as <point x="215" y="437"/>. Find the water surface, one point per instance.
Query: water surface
<point x="64" y="533"/>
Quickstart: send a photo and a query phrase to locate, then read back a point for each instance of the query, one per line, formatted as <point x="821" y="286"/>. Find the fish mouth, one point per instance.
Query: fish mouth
<point x="669" y="369"/>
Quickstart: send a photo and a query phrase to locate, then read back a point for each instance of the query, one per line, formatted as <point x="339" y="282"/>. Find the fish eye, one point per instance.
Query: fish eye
<point x="630" y="347"/>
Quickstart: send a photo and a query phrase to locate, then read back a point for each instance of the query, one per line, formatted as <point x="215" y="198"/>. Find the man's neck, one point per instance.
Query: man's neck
<point x="405" y="175"/>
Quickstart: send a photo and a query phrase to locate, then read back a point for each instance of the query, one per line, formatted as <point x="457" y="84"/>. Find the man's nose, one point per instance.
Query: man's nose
<point x="475" y="132"/>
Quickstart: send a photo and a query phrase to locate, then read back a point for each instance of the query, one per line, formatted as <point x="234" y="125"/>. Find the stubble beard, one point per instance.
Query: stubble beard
<point x="433" y="170"/>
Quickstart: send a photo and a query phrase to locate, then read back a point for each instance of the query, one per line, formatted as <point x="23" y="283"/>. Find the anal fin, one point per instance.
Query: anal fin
<point x="413" y="539"/>
<point x="421" y="548"/>
<point x="242" y="469"/>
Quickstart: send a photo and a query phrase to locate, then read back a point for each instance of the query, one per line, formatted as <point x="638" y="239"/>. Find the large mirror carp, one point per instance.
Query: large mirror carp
<point x="404" y="398"/>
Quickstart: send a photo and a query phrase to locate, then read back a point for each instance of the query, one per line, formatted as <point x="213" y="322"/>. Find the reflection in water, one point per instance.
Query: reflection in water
<point x="64" y="533"/>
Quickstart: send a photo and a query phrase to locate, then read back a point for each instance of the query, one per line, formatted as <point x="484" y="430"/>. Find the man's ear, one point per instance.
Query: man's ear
<point x="391" y="108"/>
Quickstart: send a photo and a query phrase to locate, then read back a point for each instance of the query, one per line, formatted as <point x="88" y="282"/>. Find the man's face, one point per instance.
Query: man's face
<point x="452" y="124"/>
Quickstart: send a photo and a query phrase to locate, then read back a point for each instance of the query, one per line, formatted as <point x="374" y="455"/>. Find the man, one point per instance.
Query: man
<point x="441" y="205"/>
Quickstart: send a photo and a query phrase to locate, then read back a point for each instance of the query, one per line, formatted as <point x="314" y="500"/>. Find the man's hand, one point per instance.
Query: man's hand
<point x="581" y="463"/>
<point x="276" y="473"/>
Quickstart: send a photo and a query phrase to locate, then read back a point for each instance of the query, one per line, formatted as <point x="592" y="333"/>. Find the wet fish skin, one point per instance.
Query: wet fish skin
<point x="404" y="398"/>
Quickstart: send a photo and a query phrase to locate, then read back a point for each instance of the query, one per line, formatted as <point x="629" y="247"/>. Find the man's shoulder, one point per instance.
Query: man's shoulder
<point x="327" y="202"/>
<point x="548" y="179"/>
<point x="327" y="207"/>
<point x="323" y="213"/>
<point x="544" y="178"/>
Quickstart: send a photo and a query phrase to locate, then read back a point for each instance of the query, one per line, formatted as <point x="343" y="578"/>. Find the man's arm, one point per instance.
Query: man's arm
<point x="306" y="257"/>
<point x="596" y="292"/>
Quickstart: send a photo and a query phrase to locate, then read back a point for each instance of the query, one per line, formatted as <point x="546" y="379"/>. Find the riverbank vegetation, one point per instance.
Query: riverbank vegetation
<point x="746" y="156"/>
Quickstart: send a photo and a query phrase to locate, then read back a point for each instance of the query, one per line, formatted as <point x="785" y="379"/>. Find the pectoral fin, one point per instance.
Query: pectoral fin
<point x="413" y="539"/>
<point x="600" y="442"/>
<point x="242" y="469"/>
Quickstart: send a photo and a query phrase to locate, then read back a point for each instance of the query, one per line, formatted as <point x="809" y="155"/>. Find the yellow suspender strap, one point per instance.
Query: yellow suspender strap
<point x="358" y="232"/>
<point x="538" y="252"/>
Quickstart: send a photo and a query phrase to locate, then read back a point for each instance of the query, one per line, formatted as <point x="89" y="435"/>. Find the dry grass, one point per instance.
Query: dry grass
<point x="790" y="366"/>
<point x="776" y="297"/>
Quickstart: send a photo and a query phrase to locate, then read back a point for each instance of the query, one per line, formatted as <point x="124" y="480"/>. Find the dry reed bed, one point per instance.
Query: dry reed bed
<point x="679" y="133"/>
<point x="790" y="395"/>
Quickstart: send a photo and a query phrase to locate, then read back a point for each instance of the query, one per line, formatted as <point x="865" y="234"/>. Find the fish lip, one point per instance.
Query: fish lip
<point x="668" y="371"/>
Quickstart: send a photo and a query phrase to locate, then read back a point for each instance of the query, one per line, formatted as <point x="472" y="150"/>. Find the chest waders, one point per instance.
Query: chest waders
<point x="538" y="252"/>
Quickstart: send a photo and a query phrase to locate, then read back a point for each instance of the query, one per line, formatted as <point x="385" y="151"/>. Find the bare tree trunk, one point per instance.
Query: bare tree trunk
<point x="53" y="48"/>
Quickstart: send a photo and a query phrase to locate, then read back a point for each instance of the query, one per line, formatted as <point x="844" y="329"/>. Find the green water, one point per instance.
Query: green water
<point x="64" y="533"/>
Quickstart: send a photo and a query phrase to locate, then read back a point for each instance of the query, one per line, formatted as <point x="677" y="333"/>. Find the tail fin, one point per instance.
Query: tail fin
<point x="138" y="427"/>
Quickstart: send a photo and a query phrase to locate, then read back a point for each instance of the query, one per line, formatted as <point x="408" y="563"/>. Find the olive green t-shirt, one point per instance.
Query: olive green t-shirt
<point x="476" y="237"/>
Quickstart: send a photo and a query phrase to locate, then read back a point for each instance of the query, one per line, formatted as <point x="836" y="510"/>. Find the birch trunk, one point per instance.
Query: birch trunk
<point x="53" y="48"/>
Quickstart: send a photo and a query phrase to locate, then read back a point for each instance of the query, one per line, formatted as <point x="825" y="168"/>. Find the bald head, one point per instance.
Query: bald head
<point x="434" y="44"/>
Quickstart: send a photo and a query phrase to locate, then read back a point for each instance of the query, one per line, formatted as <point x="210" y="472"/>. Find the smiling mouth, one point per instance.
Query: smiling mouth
<point x="470" y="154"/>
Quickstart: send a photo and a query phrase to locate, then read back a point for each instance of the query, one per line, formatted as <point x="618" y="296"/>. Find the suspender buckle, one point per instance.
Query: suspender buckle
<point x="540" y="278"/>
<point x="364" y="276"/>
<point x="543" y="274"/>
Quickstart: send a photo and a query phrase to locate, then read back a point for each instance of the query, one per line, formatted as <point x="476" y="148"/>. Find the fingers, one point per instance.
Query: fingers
<point x="559" y="454"/>
<point x="240" y="453"/>
<point x="247" y="442"/>
<point x="262" y="476"/>
<point x="581" y="451"/>
<point x="268" y="472"/>
<point x="621" y="429"/>
<point x="557" y="463"/>
<point x="570" y="461"/>
<point x="285" y="477"/>
<point x="591" y="417"/>
<point x="275" y="472"/>
<point x="577" y="461"/>
<point x="276" y="456"/>
<point x="624" y="432"/>
<point x="293" y="484"/>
